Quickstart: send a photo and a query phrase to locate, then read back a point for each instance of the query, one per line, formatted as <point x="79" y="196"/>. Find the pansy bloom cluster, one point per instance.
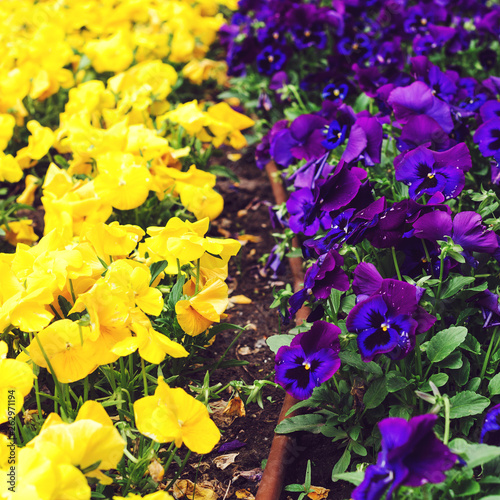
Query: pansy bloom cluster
<point x="383" y="118"/>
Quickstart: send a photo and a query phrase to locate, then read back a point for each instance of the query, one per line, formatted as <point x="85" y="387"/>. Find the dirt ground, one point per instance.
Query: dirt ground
<point x="246" y="212"/>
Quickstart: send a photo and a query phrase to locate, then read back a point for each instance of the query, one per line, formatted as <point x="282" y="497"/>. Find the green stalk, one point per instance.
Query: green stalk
<point x="446" y="435"/>
<point x="181" y="468"/>
<point x="393" y="251"/>
<point x="197" y="287"/>
<point x="488" y="354"/>
<point x="172" y="449"/>
<point x="144" y="379"/>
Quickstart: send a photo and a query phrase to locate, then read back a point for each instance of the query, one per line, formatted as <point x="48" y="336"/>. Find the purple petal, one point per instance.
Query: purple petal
<point x="367" y="280"/>
<point x="231" y="445"/>
<point x="433" y="226"/>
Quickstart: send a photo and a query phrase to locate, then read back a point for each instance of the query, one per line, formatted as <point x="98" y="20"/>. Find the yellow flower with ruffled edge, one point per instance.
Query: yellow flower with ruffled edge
<point x="145" y="142"/>
<point x="20" y="231"/>
<point x="43" y="473"/>
<point x="153" y="346"/>
<point x="225" y="123"/>
<point x="123" y="181"/>
<point x="15" y="384"/>
<point x="66" y="345"/>
<point x="174" y="415"/>
<point x="7" y="124"/>
<point x="112" y="239"/>
<point x="189" y="116"/>
<point x="39" y="143"/>
<point x="10" y="170"/>
<point x="27" y="197"/>
<point x="198" y="313"/>
<point x="91" y="439"/>
<point x="114" y="53"/>
<point x="201" y="201"/>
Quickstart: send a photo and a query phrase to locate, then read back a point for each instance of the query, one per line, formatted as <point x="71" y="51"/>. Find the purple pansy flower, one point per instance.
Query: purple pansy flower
<point x="270" y="60"/>
<point x="418" y="99"/>
<point x="411" y="455"/>
<point x="305" y="214"/>
<point x="335" y="135"/>
<point x="490" y="432"/>
<point x="319" y="280"/>
<point x="487" y="137"/>
<point x="311" y="359"/>
<point x="466" y="230"/>
<point x="388" y="320"/>
<point x="488" y="302"/>
<point x="334" y="92"/>
<point x="429" y="172"/>
<point x="365" y="141"/>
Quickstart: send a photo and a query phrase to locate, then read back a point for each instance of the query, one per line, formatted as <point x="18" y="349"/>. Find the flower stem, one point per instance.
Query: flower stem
<point x="446" y="435"/>
<point x="181" y="468"/>
<point x="172" y="452"/>
<point x="488" y="354"/>
<point x="144" y="379"/>
<point x="393" y="250"/>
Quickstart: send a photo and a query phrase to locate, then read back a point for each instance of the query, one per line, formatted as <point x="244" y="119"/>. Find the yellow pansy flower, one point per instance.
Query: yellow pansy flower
<point x="10" y="170"/>
<point x="157" y="495"/>
<point x="15" y="384"/>
<point x="153" y="346"/>
<point x="28" y="195"/>
<point x="66" y="345"/>
<point x="7" y="124"/>
<point x="20" y="231"/>
<point x="90" y="439"/>
<point x="39" y="143"/>
<point x="174" y="415"/>
<point x="123" y="181"/>
<point x="114" y="53"/>
<point x="196" y="314"/>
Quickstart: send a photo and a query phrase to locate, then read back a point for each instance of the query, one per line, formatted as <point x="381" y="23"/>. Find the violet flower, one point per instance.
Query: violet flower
<point x="411" y="455"/>
<point x="306" y="216"/>
<point x="365" y="141"/>
<point x="418" y="99"/>
<point x="490" y="432"/>
<point x="270" y="60"/>
<point x="490" y="309"/>
<point x="319" y="280"/>
<point x="487" y="137"/>
<point x="429" y="172"/>
<point x="311" y="359"/>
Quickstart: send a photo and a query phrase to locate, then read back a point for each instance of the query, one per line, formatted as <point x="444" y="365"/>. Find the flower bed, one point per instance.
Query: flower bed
<point x="383" y="119"/>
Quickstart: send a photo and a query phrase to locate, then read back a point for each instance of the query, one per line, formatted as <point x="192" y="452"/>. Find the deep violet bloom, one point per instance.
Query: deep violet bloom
<point x="365" y="141"/>
<point x="428" y="172"/>
<point x="334" y="92"/>
<point x="411" y="455"/>
<point x="302" y="140"/>
<point x="466" y="230"/>
<point x="418" y="99"/>
<point x="487" y="137"/>
<point x="335" y="135"/>
<point x="311" y="173"/>
<point x="422" y="129"/>
<point x="311" y="359"/>
<point x="270" y="60"/>
<point x="305" y="213"/>
<point x="319" y="280"/>
<point x="490" y="432"/>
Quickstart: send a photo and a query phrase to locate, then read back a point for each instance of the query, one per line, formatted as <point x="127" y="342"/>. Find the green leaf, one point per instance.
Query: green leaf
<point x="478" y="454"/>
<point x="467" y="403"/>
<point x="311" y="423"/>
<point x="453" y="361"/>
<point x="294" y="487"/>
<point x="222" y="171"/>
<point x="341" y="465"/>
<point x="347" y="303"/>
<point x="445" y="342"/>
<point x="358" y="449"/>
<point x="335" y="298"/>
<point x="355" y="478"/>
<point x="156" y="268"/>
<point x="376" y="393"/>
<point x="467" y="488"/>
<point x="455" y="284"/>
<point x="395" y="381"/>
<point x="61" y="161"/>
<point x="439" y="379"/>
<point x="471" y="344"/>
<point x="219" y="327"/>
<point x="494" y="385"/>
<point x="473" y="384"/>
<point x="399" y="411"/>
<point x="276" y="341"/>
<point x="354" y="359"/>
<point x="176" y="292"/>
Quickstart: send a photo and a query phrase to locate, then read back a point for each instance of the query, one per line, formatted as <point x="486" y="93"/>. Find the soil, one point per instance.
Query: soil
<point x="246" y="212"/>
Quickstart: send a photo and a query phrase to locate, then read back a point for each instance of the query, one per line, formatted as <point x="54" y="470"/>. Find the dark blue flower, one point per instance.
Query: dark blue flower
<point x="487" y="137"/>
<point x="311" y="359"/>
<point x="335" y="135"/>
<point x="490" y="432"/>
<point x="270" y="60"/>
<point x="411" y="455"/>
<point x="429" y="172"/>
<point x="334" y="92"/>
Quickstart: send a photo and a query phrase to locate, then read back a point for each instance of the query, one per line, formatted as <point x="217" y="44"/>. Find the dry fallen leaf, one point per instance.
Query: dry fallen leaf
<point x="245" y="494"/>
<point x="224" y="461"/>
<point x="240" y="299"/>
<point x="185" y="487"/>
<point x="156" y="471"/>
<point x="249" y="237"/>
<point x="242" y="213"/>
<point x="234" y="156"/>
<point x="245" y="350"/>
<point x="235" y="407"/>
<point x="318" y="493"/>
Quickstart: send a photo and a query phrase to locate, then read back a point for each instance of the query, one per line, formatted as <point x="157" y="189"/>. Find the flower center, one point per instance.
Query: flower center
<point x="355" y="46"/>
<point x="307" y="33"/>
<point x="384" y="326"/>
<point x="306" y="365"/>
<point x="430" y="175"/>
<point x="336" y="92"/>
<point x="270" y="59"/>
